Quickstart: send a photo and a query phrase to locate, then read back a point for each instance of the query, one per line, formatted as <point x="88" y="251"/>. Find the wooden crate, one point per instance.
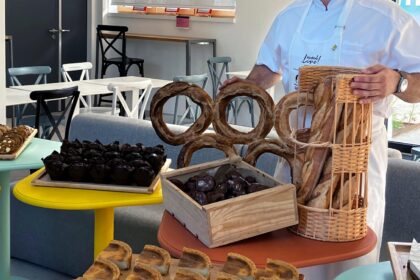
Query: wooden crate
<point x="234" y="219"/>
<point x="400" y="253"/>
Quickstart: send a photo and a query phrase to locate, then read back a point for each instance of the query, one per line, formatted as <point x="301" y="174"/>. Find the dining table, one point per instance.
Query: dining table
<point x="18" y="95"/>
<point x="188" y="41"/>
<point x="243" y="74"/>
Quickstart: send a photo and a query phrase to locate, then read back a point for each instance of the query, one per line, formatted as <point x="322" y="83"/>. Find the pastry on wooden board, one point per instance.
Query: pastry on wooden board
<point x="187" y="274"/>
<point x="226" y="276"/>
<point x="283" y="270"/>
<point x="195" y="261"/>
<point x="119" y="253"/>
<point x="11" y="139"/>
<point x="263" y="274"/>
<point x="102" y="270"/>
<point x="144" y="272"/>
<point x="240" y="266"/>
<point x="156" y="257"/>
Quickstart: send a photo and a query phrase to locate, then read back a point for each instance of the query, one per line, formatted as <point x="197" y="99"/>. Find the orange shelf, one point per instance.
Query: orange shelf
<point x="280" y="244"/>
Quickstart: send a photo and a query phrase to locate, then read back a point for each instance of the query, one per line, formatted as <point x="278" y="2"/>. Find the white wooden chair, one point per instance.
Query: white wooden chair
<point x="86" y="101"/>
<point x="137" y="96"/>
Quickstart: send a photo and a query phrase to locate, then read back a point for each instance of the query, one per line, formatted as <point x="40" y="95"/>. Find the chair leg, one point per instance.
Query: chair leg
<point x="141" y="68"/>
<point x="251" y="111"/>
<point x="176" y="109"/>
<point x="103" y="71"/>
<point x="235" y="111"/>
<point x="123" y="71"/>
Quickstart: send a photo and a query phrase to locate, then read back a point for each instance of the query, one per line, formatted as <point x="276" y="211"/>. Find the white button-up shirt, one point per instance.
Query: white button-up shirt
<point x="377" y="32"/>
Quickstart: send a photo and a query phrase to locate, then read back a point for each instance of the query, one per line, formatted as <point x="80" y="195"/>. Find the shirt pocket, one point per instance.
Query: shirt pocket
<point x="356" y="55"/>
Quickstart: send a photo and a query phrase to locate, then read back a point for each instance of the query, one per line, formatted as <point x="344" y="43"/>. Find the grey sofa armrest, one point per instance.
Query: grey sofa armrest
<point x="402" y="211"/>
<point x="394" y="153"/>
<point x="55" y="239"/>
<point x="110" y="128"/>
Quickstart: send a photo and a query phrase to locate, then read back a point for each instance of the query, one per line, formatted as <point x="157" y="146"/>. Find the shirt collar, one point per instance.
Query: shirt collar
<point x="334" y="4"/>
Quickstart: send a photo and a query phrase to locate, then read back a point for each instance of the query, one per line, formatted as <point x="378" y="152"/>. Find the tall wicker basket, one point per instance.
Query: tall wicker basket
<point x="345" y="218"/>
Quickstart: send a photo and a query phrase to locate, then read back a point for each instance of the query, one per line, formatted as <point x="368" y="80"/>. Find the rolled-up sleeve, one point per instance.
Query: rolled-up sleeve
<point x="270" y="51"/>
<point x="405" y="46"/>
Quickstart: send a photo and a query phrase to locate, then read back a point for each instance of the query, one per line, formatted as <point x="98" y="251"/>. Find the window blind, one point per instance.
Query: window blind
<point x="210" y="4"/>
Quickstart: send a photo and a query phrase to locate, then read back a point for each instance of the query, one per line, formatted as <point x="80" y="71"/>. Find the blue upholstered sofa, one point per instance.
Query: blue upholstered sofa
<point x="54" y="244"/>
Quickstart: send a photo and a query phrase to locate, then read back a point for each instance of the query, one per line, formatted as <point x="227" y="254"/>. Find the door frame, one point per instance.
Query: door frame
<point x="95" y="17"/>
<point x="2" y="60"/>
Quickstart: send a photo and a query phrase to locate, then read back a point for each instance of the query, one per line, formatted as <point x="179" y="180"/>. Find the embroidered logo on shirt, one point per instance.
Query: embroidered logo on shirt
<point x="308" y="59"/>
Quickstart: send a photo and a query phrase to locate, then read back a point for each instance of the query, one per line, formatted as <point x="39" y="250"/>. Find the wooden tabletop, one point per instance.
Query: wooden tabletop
<point x="160" y="37"/>
<point x="280" y="244"/>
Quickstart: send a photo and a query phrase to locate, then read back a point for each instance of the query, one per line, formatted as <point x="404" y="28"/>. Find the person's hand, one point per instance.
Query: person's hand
<point x="231" y="81"/>
<point x="379" y="82"/>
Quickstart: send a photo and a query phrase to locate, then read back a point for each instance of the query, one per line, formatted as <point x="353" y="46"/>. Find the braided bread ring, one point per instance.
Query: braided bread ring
<point x="283" y="109"/>
<point x="201" y="142"/>
<point x="265" y="102"/>
<point x="197" y="95"/>
<point x="262" y="146"/>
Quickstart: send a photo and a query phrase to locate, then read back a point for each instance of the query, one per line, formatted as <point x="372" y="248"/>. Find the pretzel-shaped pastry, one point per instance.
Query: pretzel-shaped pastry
<point x="223" y="99"/>
<point x="204" y="141"/>
<point x="197" y="95"/>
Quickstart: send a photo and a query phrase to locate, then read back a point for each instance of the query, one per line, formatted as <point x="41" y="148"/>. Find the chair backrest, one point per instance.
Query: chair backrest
<point x="200" y="80"/>
<point x="140" y="93"/>
<point x="40" y="71"/>
<point x="42" y="96"/>
<point x="218" y="75"/>
<point x="84" y="67"/>
<point x="108" y="43"/>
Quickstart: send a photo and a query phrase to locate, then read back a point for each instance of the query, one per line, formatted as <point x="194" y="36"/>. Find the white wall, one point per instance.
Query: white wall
<point x="2" y="62"/>
<point x="240" y="40"/>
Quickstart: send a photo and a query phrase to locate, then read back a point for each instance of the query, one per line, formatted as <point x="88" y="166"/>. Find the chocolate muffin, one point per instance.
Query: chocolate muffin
<point x="133" y="156"/>
<point x="156" y="161"/>
<point x="99" y="172"/>
<point x="143" y="176"/>
<point x="78" y="171"/>
<point x="113" y="147"/>
<point x="56" y="169"/>
<point x="121" y="174"/>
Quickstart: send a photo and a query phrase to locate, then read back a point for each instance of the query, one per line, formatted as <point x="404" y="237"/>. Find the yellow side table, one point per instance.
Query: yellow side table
<point x="103" y="202"/>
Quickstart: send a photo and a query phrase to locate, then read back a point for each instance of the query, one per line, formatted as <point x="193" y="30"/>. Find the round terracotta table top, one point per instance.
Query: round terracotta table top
<point x="281" y="244"/>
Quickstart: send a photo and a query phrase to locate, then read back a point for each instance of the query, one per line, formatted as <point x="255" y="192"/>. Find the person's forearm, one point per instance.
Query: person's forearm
<point x="412" y="94"/>
<point x="263" y="76"/>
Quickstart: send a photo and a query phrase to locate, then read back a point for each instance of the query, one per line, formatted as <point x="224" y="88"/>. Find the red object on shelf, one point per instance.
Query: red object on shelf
<point x="281" y="244"/>
<point x="183" y="21"/>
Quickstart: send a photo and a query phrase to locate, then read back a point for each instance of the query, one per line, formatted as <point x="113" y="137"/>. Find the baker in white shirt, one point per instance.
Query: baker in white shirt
<point x="376" y="35"/>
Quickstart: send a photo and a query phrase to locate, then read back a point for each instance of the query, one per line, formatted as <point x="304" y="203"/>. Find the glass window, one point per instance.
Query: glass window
<point x="404" y="124"/>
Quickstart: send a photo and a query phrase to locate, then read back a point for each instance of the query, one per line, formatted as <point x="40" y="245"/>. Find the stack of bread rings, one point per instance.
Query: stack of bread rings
<point x="224" y="136"/>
